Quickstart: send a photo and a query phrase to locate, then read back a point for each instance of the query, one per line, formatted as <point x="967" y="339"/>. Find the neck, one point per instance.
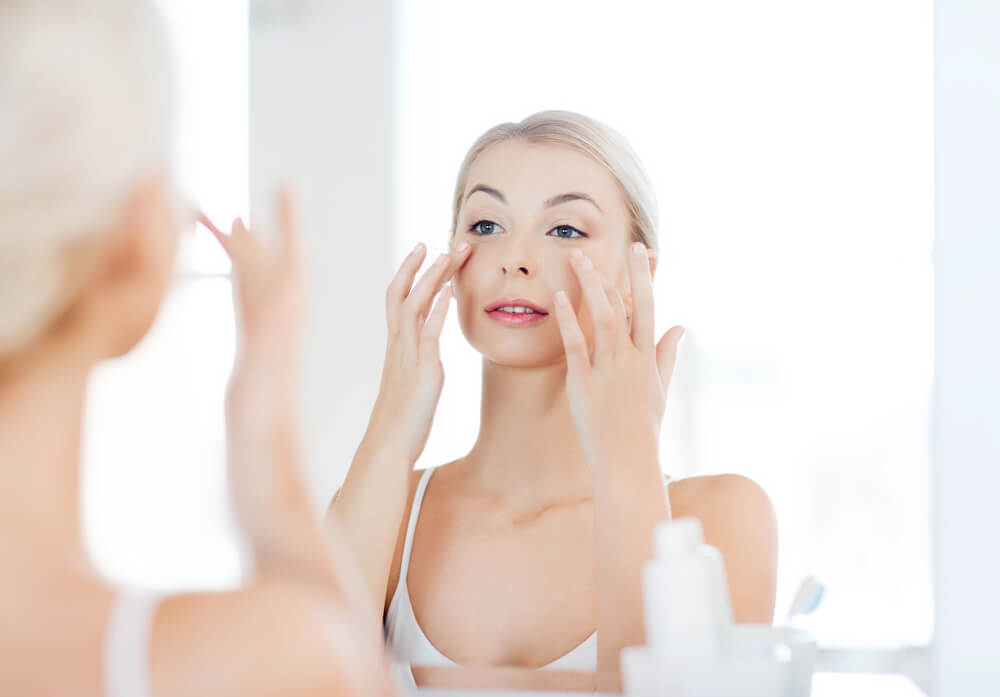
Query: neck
<point x="41" y="415"/>
<point x="527" y="450"/>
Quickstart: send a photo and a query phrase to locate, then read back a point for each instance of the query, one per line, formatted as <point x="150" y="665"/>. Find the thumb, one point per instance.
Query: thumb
<point x="666" y="354"/>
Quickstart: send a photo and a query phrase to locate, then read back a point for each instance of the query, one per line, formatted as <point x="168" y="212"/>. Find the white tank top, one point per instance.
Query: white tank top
<point x="407" y="641"/>
<point x="126" y="645"/>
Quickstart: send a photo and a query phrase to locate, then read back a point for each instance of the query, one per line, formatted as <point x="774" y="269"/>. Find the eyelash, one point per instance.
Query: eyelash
<point x="474" y="228"/>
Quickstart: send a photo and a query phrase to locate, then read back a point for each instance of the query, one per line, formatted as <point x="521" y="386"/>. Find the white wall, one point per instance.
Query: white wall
<point x="305" y="125"/>
<point x="967" y="400"/>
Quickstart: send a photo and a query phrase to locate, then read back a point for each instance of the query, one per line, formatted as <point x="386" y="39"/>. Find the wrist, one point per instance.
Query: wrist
<point x="626" y="465"/>
<point x="380" y="449"/>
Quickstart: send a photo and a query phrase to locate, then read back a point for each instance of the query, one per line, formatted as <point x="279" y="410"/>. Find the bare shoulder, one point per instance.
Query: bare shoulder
<point x="738" y="518"/>
<point x="725" y="495"/>
<point x="272" y="637"/>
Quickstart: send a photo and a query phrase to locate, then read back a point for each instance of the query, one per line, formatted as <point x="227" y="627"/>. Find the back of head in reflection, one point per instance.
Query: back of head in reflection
<point x="89" y="226"/>
<point x="526" y="552"/>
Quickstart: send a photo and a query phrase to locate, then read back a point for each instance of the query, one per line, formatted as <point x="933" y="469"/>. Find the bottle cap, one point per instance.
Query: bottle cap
<point x="678" y="537"/>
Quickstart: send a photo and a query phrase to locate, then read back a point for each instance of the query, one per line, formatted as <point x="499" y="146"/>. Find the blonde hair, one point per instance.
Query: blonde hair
<point x="85" y="112"/>
<point x="601" y="142"/>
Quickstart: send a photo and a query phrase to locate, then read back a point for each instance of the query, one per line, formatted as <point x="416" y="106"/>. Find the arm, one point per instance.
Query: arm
<point x="617" y="393"/>
<point x="628" y="505"/>
<point x="296" y="628"/>
<point x="371" y="504"/>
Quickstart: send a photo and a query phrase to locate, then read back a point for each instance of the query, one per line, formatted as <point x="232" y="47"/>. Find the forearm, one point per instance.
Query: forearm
<point x="369" y="509"/>
<point x="273" y="504"/>
<point x="630" y="500"/>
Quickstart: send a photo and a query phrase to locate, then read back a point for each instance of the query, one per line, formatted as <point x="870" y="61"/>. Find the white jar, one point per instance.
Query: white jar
<point x="685" y="594"/>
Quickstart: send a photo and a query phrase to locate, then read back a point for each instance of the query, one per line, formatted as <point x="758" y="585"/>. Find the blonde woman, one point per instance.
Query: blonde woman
<point x="527" y="551"/>
<point x="88" y="230"/>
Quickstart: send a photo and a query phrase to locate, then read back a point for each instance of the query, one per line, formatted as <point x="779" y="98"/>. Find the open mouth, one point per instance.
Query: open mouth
<point x="515" y="313"/>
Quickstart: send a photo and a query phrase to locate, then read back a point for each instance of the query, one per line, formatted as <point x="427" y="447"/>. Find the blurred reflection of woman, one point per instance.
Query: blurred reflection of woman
<point x="517" y="553"/>
<point x="88" y="231"/>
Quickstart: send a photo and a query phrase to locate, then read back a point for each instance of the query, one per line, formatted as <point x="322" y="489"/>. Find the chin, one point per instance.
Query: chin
<point x="520" y="350"/>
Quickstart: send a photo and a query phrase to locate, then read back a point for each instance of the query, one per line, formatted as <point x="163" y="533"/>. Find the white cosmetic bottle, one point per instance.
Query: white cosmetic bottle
<point x="686" y="596"/>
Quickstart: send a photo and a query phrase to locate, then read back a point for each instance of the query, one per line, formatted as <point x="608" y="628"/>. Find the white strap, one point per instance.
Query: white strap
<point x="126" y="647"/>
<point x="411" y="525"/>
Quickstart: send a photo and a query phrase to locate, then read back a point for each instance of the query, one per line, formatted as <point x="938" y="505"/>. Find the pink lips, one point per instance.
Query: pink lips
<point x="515" y="319"/>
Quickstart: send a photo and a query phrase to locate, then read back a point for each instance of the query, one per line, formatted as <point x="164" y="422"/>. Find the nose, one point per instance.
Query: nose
<point x="519" y="259"/>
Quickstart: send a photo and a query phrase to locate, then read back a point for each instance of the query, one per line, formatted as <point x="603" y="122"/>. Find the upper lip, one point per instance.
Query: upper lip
<point x="518" y="302"/>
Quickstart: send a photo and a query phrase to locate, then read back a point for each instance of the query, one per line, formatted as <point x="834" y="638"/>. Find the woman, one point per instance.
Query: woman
<point x="516" y="553"/>
<point x="88" y="231"/>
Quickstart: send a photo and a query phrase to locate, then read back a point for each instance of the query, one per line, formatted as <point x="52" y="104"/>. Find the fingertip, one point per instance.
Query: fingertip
<point x="562" y="300"/>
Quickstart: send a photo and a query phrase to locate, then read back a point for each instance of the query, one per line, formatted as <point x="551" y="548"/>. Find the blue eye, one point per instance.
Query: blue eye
<point x="485" y="227"/>
<point x="566" y="232"/>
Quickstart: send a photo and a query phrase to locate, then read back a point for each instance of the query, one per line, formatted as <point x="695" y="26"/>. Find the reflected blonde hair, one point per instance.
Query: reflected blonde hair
<point x="85" y="113"/>
<point x="591" y="137"/>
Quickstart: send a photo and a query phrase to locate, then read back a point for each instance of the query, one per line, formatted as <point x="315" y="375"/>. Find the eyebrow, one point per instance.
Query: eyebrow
<point x="572" y="196"/>
<point x="486" y="190"/>
<point x="550" y="203"/>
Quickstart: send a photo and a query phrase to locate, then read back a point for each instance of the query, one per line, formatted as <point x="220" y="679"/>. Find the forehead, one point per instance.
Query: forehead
<point x="529" y="173"/>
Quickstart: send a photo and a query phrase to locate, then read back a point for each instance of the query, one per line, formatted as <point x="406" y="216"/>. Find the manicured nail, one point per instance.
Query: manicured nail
<point x="462" y="248"/>
<point x="418" y="249"/>
<point x="561" y="298"/>
<point x="586" y="264"/>
<point x="441" y="259"/>
<point x="576" y="255"/>
<point x="638" y="249"/>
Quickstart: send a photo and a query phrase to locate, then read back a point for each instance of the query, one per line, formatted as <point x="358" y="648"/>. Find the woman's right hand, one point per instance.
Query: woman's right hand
<point x="412" y="376"/>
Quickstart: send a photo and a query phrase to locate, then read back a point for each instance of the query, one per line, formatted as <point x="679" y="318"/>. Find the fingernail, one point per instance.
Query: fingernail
<point x="586" y="264"/>
<point x="577" y="255"/>
<point x="562" y="298"/>
<point x="419" y="248"/>
<point x="462" y="248"/>
<point x="638" y="248"/>
<point x="441" y="259"/>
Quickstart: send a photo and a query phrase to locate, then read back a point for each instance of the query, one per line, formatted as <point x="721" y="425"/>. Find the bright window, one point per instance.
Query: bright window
<point x="790" y="145"/>
<point x="155" y="499"/>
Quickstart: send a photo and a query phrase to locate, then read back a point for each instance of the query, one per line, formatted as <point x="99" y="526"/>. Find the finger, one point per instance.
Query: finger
<point x="574" y="342"/>
<point x="431" y="334"/>
<point x="597" y="303"/>
<point x="643" y="320"/>
<point x="617" y="304"/>
<point x="666" y="355"/>
<point x="222" y="237"/>
<point x="459" y="256"/>
<point x="246" y="245"/>
<point x="401" y="284"/>
<point x="433" y="279"/>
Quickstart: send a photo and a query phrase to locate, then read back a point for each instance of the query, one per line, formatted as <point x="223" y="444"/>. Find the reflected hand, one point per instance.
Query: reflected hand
<point x="617" y="389"/>
<point x="412" y="375"/>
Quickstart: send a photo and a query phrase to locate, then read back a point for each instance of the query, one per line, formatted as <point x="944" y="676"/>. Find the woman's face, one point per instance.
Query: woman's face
<point x="526" y="207"/>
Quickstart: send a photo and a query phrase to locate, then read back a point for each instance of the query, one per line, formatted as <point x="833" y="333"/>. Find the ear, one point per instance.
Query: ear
<point x="142" y="239"/>
<point x="138" y="261"/>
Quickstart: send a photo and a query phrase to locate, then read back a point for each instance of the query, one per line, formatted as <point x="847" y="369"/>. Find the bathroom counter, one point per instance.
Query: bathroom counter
<point x="824" y="685"/>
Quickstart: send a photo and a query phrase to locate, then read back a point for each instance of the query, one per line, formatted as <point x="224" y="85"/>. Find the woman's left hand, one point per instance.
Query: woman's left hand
<point x="617" y="388"/>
